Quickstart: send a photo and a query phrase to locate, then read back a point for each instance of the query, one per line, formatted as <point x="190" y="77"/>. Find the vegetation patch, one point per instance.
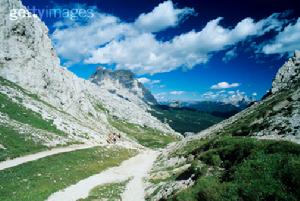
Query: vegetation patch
<point x="16" y="144"/>
<point x="185" y="119"/>
<point x="37" y="180"/>
<point x="21" y="114"/>
<point x="111" y="192"/>
<point x="242" y="168"/>
<point x="145" y="136"/>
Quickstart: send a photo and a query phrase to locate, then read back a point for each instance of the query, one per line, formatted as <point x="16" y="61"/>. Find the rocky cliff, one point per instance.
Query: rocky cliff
<point x="27" y="59"/>
<point x="123" y="83"/>
<point x="288" y="74"/>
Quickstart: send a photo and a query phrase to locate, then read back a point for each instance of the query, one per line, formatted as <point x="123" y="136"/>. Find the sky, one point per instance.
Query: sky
<point x="188" y="50"/>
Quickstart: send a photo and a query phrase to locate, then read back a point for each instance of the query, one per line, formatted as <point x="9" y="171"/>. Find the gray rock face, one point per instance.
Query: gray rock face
<point x="288" y="74"/>
<point x="28" y="59"/>
<point x="122" y="82"/>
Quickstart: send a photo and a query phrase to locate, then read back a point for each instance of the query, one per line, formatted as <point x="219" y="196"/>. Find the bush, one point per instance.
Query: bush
<point x="245" y="169"/>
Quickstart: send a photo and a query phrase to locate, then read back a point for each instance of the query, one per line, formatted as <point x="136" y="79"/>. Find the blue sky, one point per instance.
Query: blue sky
<point x="181" y="50"/>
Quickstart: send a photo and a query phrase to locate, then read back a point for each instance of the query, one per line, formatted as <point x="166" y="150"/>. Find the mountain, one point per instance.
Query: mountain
<point x="59" y="107"/>
<point x="185" y="120"/>
<point x="122" y="83"/>
<point x="192" y="117"/>
<point x="214" y="106"/>
<point x="254" y="155"/>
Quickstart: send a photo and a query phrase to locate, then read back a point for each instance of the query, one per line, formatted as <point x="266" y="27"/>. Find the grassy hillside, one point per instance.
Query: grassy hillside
<point x="226" y="163"/>
<point x="241" y="168"/>
<point x="145" y="136"/>
<point x="15" y="144"/>
<point x="20" y="125"/>
<point x="21" y="114"/>
<point x="184" y="119"/>
<point x="36" y="180"/>
<point x="233" y="169"/>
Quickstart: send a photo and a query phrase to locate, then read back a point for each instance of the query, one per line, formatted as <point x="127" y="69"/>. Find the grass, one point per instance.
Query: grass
<point x="111" y="192"/>
<point x="99" y="107"/>
<point x="242" y="168"/>
<point x="37" y="180"/>
<point x="16" y="144"/>
<point x="21" y="114"/>
<point x="145" y="136"/>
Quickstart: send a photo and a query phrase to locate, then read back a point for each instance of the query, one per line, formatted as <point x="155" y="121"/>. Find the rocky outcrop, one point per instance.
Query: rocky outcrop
<point x="122" y="83"/>
<point x="288" y="74"/>
<point x="28" y="59"/>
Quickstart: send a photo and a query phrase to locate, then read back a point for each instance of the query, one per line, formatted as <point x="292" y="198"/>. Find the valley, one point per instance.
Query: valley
<point x="65" y="138"/>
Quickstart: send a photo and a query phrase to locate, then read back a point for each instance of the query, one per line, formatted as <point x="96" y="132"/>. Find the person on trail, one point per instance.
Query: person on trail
<point x="112" y="138"/>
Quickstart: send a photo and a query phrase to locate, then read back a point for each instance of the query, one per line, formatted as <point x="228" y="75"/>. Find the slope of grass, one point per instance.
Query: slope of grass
<point x="16" y="144"/>
<point x="185" y="120"/>
<point x="111" y="192"/>
<point x="245" y="125"/>
<point x="145" y="136"/>
<point x="242" y="168"/>
<point x="21" y="114"/>
<point x="37" y="180"/>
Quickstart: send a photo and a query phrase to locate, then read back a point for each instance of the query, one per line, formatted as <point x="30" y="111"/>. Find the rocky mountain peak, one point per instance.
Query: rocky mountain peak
<point x="122" y="82"/>
<point x="288" y="74"/>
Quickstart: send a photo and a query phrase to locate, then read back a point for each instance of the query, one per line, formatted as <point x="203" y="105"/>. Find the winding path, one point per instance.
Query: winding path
<point x="135" y="168"/>
<point x="24" y="159"/>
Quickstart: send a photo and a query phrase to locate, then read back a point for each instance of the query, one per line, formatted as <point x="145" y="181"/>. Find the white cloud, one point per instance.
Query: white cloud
<point x="105" y="39"/>
<point x="229" y="55"/>
<point x="163" y="16"/>
<point x="144" y="54"/>
<point x="144" y="80"/>
<point x="224" y="85"/>
<point x="177" y="92"/>
<point x="254" y="94"/>
<point x="286" y="41"/>
<point x="160" y="96"/>
<point x="155" y="81"/>
<point x="74" y="41"/>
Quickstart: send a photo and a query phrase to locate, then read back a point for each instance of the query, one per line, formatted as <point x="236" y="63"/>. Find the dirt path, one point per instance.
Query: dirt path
<point x="24" y="159"/>
<point x="136" y="168"/>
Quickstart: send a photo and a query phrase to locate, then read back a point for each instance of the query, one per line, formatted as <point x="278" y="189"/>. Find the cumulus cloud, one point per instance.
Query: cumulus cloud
<point x="145" y="54"/>
<point x="75" y="41"/>
<point x="224" y="85"/>
<point x="163" y="16"/>
<point x="145" y="80"/>
<point x="106" y="39"/>
<point x="177" y="92"/>
<point x="287" y="41"/>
